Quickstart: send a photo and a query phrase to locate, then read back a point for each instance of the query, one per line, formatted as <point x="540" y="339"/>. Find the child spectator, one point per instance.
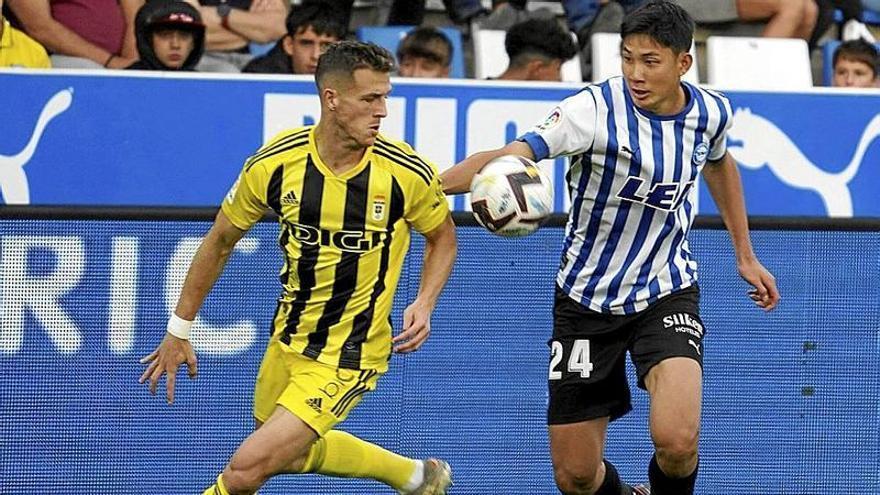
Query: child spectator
<point x="170" y="36"/>
<point x="855" y="65"/>
<point x="424" y="52"/>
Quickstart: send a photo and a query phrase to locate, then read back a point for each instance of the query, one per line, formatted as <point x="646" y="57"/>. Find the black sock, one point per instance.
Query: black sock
<point x="611" y="485"/>
<point x="664" y="485"/>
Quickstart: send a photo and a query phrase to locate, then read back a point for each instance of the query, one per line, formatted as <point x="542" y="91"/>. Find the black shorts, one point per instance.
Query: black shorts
<point x="588" y="350"/>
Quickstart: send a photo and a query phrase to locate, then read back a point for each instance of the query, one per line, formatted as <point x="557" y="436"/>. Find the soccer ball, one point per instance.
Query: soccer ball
<point x="511" y="196"/>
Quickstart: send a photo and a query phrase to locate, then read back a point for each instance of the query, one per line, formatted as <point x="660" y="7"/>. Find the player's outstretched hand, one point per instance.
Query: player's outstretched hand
<point x="416" y="328"/>
<point x="167" y="358"/>
<point x="765" y="294"/>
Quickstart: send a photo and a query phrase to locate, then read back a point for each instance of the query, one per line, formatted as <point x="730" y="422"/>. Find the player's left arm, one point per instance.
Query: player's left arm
<point x="724" y="183"/>
<point x="440" y="250"/>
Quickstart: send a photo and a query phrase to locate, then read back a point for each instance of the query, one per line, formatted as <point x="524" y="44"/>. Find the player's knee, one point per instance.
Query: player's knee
<point x="677" y="445"/>
<point x="574" y="481"/>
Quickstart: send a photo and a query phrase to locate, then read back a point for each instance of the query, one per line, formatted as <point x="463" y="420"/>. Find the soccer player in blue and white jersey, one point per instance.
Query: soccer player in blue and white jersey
<point x="627" y="280"/>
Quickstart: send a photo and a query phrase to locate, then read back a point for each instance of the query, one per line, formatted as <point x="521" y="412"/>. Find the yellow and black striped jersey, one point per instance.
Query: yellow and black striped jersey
<point x="344" y="239"/>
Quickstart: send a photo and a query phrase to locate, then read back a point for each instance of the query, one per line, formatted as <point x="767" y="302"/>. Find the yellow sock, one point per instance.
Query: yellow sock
<point x="217" y="488"/>
<point x="344" y="455"/>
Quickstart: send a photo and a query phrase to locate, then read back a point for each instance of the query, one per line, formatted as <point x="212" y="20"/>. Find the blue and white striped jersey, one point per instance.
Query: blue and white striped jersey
<point x="631" y="181"/>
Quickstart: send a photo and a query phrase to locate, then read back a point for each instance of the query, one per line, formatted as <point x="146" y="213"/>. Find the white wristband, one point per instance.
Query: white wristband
<point x="179" y="327"/>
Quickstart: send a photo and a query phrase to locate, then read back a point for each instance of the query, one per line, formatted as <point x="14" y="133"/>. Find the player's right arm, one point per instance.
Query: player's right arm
<point x="205" y="269"/>
<point x="568" y="130"/>
<point x="243" y="207"/>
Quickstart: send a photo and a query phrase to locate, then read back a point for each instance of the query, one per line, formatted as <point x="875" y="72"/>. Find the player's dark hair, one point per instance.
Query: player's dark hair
<point x="317" y="14"/>
<point x="426" y="42"/>
<point x="665" y="22"/>
<point x="858" y="51"/>
<point x="345" y="57"/>
<point x="541" y="38"/>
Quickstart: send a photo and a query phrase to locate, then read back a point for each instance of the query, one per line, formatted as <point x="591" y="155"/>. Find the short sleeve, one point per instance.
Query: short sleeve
<point x="245" y="203"/>
<point x="428" y="207"/>
<point x="719" y="142"/>
<point x="568" y="130"/>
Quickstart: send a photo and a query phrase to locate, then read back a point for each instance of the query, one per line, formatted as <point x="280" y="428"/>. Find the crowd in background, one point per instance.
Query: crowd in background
<point x="221" y="35"/>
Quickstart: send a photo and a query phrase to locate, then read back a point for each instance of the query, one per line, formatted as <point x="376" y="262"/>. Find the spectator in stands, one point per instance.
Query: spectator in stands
<point x="170" y="36"/>
<point x="537" y="48"/>
<point x="851" y="26"/>
<point x="81" y="34"/>
<point x="855" y="65"/>
<point x="586" y="17"/>
<point x="412" y="12"/>
<point x="18" y="49"/>
<point x="507" y="13"/>
<point x="784" y="18"/>
<point x="605" y="16"/>
<point x="311" y="28"/>
<point x="232" y="25"/>
<point x="424" y="52"/>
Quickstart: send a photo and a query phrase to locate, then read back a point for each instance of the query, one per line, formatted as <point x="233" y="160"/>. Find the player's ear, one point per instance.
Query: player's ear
<point x="287" y="44"/>
<point x="331" y="96"/>
<point x="685" y="61"/>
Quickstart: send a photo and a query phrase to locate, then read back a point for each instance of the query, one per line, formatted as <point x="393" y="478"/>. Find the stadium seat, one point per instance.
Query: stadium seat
<point x="490" y="57"/>
<point x="389" y="37"/>
<point x="606" y="58"/>
<point x="758" y="63"/>
<point x="828" y="50"/>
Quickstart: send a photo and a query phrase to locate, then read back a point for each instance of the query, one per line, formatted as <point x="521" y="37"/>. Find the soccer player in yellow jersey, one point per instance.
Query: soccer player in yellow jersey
<point x="347" y="198"/>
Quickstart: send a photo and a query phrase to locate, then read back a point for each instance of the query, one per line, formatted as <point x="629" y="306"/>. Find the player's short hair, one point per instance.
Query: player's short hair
<point x="538" y="38"/>
<point x="665" y="22"/>
<point x="426" y="42"/>
<point x="858" y="51"/>
<point x="317" y="14"/>
<point x="345" y="57"/>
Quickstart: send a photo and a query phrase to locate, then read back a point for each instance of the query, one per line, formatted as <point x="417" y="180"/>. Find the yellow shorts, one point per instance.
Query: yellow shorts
<point x="319" y="394"/>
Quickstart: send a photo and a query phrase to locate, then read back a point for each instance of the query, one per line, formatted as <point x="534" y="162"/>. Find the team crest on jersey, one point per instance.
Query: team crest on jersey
<point x="551" y="120"/>
<point x="701" y="152"/>
<point x="231" y="194"/>
<point x="378" y="207"/>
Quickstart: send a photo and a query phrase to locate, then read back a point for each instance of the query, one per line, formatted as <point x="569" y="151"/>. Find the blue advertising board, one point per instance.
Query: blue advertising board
<point x="133" y="139"/>
<point x="790" y="396"/>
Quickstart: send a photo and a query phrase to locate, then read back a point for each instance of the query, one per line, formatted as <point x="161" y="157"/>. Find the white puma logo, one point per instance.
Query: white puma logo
<point x="756" y="142"/>
<point x="696" y="346"/>
<point x="13" y="181"/>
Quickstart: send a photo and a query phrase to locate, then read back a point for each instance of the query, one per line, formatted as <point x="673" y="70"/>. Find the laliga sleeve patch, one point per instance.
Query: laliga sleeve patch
<point x="551" y="120"/>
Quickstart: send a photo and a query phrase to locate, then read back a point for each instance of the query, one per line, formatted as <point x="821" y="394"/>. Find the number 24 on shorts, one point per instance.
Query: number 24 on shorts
<point x="578" y="360"/>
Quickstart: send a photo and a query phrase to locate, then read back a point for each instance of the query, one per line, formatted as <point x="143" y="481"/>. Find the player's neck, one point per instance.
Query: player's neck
<point x="514" y="74"/>
<point x="337" y="151"/>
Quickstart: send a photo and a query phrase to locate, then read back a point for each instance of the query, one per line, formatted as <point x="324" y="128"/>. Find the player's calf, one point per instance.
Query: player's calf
<point x="664" y="483"/>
